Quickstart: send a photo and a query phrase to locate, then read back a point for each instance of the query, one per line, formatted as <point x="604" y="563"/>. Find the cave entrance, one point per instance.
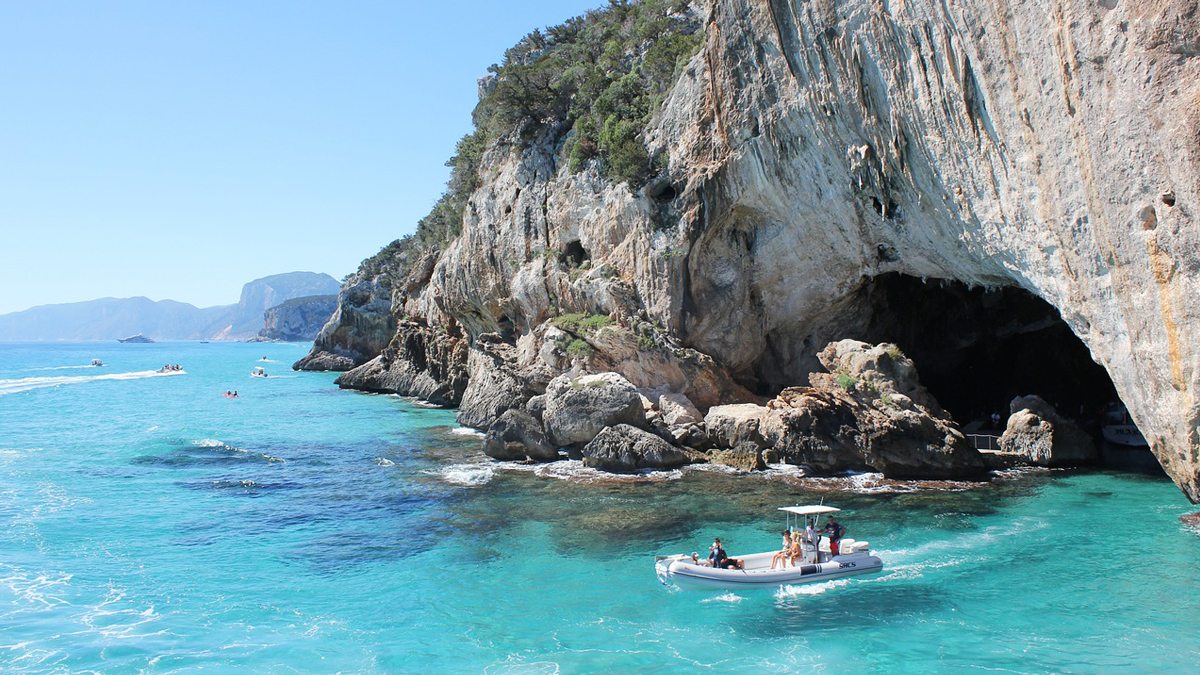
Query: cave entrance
<point x="976" y="349"/>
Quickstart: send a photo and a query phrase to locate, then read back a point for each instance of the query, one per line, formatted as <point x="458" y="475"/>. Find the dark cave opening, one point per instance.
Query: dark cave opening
<point x="976" y="349"/>
<point x="573" y="254"/>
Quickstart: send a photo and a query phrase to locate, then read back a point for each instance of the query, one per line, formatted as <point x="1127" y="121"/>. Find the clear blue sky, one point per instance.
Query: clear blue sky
<point x="179" y="149"/>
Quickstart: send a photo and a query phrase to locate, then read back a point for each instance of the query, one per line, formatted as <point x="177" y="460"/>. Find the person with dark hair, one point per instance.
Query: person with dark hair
<point x="835" y="531"/>
<point x="785" y="553"/>
<point x="716" y="554"/>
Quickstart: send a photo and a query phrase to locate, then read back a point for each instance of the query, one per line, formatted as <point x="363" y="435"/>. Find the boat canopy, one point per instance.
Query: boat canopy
<point x="808" y="510"/>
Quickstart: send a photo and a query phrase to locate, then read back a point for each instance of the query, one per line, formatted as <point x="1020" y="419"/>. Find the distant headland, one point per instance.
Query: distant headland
<point x="116" y="318"/>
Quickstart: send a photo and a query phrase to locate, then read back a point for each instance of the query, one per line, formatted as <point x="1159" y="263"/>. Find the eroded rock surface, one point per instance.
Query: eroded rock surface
<point x="813" y="146"/>
<point x="870" y="413"/>
<point x="580" y="407"/>
<point x="1036" y="432"/>
<point x="625" y="449"/>
<point x="421" y="361"/>
<point x="360" y="328"/>
<point x="517" y="435"/>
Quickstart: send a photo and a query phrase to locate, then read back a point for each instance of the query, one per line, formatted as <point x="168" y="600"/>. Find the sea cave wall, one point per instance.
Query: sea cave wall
<point x="811" y="148"/>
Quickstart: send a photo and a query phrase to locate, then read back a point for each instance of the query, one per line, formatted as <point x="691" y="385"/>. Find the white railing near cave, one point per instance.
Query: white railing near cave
<point x="984" y="441"/>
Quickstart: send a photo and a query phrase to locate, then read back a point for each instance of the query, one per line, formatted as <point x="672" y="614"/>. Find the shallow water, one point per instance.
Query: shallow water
<point x="150" y="523"/>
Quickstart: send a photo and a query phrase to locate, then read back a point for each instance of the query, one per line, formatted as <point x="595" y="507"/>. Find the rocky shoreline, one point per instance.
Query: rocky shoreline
<point x="867" y="413"/>
<point x="747" y="267"/>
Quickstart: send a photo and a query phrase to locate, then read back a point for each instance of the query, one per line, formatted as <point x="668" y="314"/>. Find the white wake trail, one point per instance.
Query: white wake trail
<point x="79" y="367"/>
<point x="18" y="385"/>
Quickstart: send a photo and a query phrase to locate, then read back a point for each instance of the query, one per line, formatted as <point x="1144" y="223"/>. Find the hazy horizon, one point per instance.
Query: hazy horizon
<point x="145" y="296"/>
<point x="179" y="151"/>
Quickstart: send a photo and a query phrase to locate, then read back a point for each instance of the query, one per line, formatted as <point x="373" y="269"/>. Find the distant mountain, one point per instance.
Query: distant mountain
<point x="113" y="318"/>
<point x="246" y="318"/>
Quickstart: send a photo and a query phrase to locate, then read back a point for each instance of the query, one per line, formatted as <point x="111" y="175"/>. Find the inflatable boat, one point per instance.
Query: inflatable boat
<point x="818" y="562"/>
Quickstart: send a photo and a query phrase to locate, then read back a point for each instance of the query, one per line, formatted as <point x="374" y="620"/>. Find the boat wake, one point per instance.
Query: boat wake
<point x="14" y="386"/>
<point x="79" y="367"/>
<point x="965" y="543"/>
<point x="784" y="592"/>
<point x="724" y="597"/>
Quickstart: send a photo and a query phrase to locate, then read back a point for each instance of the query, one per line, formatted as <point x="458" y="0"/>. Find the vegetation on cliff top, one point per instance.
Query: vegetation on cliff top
<point x="600" y="76"/>
<point x="592" y="84"/>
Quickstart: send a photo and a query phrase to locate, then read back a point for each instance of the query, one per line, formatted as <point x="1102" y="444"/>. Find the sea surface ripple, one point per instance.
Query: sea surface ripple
<point x="148" y="523"/>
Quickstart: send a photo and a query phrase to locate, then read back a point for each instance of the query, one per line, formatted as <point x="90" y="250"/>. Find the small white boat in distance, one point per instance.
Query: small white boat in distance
<point x="96" y="363"/>
<point x="818" y="563"/>
<point x="258" y="372"/>
<point x="1119" y="429"/>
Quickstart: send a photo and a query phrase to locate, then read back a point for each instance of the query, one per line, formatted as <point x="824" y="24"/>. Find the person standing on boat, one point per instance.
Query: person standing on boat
<point x="812" y="538"/>
<point x="835" y="531"/>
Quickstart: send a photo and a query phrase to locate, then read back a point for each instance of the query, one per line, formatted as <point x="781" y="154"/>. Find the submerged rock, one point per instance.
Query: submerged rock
<point x="580" y="407"/>
<point x="1041" y="436"/>
<point x="625" y="449"/>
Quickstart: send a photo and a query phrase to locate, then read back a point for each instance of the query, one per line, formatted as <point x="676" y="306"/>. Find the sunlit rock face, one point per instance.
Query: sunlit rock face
<point x="814" y="146"/>
<point x="1054" y="149"/>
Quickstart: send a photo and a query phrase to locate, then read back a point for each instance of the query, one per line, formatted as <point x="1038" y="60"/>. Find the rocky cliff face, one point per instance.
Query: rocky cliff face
<point x="246" y="317"/>
<point x="298" y="319"/>
<point x="813" y="147"/>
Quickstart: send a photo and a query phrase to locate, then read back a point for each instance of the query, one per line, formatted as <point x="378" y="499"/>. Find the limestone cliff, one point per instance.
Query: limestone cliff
<point x="810" y="148"/>
<point x="298" y="319"/>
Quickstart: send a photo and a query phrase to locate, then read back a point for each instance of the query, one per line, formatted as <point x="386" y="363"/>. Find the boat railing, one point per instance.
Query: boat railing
<point x="984" y="441"/>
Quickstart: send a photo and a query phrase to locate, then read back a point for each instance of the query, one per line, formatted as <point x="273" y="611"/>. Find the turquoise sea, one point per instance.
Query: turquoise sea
<point x="147" y="523"/>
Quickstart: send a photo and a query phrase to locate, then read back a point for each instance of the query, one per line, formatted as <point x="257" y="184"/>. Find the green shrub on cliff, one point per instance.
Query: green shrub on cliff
<point x="601" y="76"/>
<point x="591" y="84"/>
<point x="580" y="322"/>
<point x="579" y="348"/>
<point x="845" y="380"/>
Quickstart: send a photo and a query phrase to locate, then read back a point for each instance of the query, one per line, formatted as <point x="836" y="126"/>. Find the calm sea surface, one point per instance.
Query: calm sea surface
<point x="149" y="523"/>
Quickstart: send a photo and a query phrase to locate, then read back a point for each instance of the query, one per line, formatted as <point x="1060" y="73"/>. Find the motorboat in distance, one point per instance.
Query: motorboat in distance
<point x="818" y="563"/>
<point x="258" y="372"/>
<point x="96" y="363"/>
<point x="136" y="338"/>
<point x="1119" y="429"/>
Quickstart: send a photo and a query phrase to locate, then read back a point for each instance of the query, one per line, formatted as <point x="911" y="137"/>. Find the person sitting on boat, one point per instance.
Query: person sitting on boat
<point x="785" y="553"/>
<point x="697" y="561"/>
<point x="796" y="554"/>
<point x="835" y="531"/>
<point x="716" y="554"/>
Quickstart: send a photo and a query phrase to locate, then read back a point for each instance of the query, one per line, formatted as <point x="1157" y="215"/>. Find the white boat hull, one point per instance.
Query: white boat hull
<point x="681" y="571"/>
<point x="1123" y="434"/>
